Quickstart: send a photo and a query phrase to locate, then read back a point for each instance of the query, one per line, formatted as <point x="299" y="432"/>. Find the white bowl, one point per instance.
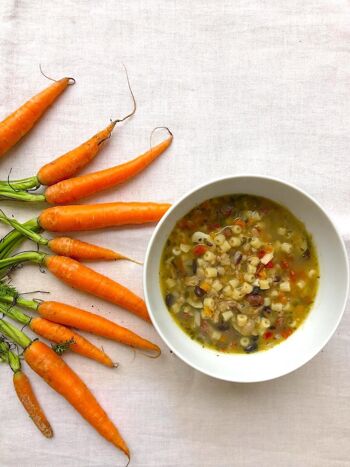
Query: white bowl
<point x="323" y="318"/>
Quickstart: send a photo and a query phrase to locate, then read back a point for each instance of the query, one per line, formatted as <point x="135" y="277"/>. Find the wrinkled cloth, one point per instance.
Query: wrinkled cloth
<point x="246" y="86"/>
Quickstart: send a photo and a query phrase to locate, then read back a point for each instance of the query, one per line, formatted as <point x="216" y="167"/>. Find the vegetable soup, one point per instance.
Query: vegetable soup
<point x="239" y="273"/>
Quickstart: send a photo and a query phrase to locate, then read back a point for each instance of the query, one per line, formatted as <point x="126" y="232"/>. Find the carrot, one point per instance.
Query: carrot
<point x="64" y="246"/>
<point x="57" y="374"/>
<point x="83" y="278"/>
<point x="90" y="322"/>
<point x="76" y="318"/>
<point x="16" y="125"/>
<point x="59" y="334"/>
<point x="77" y="188"/>
<point x="73" y="189"/>
<point x="99" y="216"/>
<point x="29" y="401"/>
<point x="25" y="391"/>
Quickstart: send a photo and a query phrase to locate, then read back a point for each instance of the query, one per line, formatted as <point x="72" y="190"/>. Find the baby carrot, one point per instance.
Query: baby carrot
<point x="75" y="318"/>
<point x="29" y="401"/>
<point x="77" y="188"/>
<point x="90" y="322"/>
<point x="16" y="125"/>
<point x="99" y="216"/>
<point x="59" y="334"/>
<point x="66" y="165"/>
<point x="65" y="246"/>
<point x="25" y="391"/>
<point x="78" y="344"/>
<point x="57" y="374"/>
<point x="83" y="278"/>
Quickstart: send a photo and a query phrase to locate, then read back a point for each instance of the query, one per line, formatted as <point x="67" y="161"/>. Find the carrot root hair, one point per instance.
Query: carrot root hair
<point x="71" y="81"/>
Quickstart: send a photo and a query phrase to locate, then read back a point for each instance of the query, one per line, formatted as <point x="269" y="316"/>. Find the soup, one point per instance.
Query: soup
<point x="239" y="273"/>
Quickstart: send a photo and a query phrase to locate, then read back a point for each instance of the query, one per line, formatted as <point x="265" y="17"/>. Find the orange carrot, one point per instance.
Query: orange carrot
<point x="16" y="125"/>
<point x="29" y="401"/>
<point x="66" y="246"/>
<point x="90" y="322"/>
<point x="83" y="278"/>
<point x="77" y="188"/>
<point x="47" y="364"/>
<point x="72" y="162"/>
<point x="98" y="216"/>
<point x="78" y="344"/>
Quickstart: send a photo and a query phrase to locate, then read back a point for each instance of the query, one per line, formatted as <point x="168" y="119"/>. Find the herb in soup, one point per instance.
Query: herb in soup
<point x="239" y="273"/>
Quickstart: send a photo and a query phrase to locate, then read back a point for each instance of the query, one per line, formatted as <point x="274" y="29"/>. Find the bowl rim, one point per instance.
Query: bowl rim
<point x="164" y="219"/>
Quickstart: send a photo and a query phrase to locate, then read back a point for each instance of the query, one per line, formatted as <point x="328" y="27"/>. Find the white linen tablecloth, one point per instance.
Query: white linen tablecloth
<point x="246" y="86"/>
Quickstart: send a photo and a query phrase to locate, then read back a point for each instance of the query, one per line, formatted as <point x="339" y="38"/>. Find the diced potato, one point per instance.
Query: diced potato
<point x="217" y="285"/>
<point x="251" y="269"/>
<point x="225" y="259"/>
<point x="185" y="248"/>
<point x="225" y="246"/>
<point x="267" y="301"/>
<point x="286" y="247"/>
<point x="209" y="256"/>
<point x="227" y="291"/>
<point x="209" y="302"/>
<point x="255" y="242"/>
<point x="191" y="281"/>
<point x="285" y="286"/>
<point x="227" y="315"/>
<point x="211" y="272"/>
<point x="219" y="239"/>
<point x="246" y="288"/>
<point x="286" y="307"/>
<point x="264" y="284"/>
<point x="267" y="258"/>
<point x="253" y="260"/>
<point x="235" y="242"/>
<point x="216" y="335"/>
<point x="249" y="277"/>
<point x="301" y="284"/>
<point x="276" y="306"/>
<point x="281" y="231"/>
<point x="312" y="273"/>
<point x="170" y="283"/>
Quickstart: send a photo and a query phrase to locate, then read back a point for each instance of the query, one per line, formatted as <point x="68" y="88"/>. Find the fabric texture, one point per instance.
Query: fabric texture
<point x="246" y="86"/>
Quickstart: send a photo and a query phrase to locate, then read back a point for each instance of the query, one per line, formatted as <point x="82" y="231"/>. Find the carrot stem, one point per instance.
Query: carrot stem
<point x="21" y="196"/>
<point x="14" y="334"/>
<point x="27" y="232"/>
<point x="29" y="183"/>
<point x="15" y="314"/>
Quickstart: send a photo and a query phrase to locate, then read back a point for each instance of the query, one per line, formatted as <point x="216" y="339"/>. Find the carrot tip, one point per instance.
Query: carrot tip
<point x="150" y="355"/>
<point x="116" y="364"/>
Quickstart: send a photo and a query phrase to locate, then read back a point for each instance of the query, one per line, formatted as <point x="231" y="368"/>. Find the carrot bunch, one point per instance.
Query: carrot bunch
<point x="57" y="322"/>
